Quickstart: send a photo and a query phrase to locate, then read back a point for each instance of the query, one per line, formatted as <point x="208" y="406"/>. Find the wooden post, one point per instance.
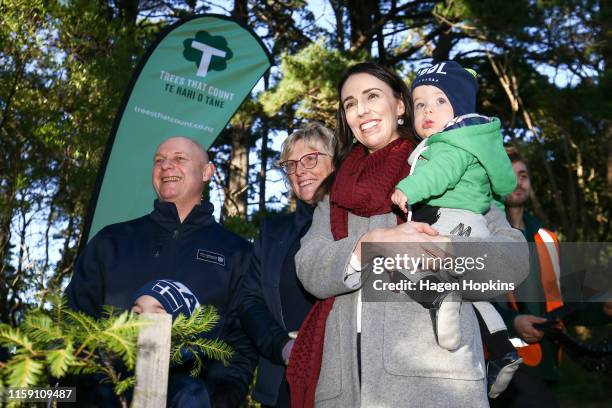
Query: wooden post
<point x="153" y="362"/>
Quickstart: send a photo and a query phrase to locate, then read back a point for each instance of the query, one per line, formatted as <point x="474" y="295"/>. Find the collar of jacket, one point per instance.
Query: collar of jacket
<point x="166" y="215"/>
<point x="303" y="213"/>
<point x="532" y="225"/>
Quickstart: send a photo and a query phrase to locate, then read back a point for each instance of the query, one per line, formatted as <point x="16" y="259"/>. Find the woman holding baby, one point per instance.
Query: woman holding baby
<point x="351" y="352"/>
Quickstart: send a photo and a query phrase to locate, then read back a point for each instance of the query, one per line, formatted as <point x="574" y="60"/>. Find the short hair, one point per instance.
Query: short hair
<point x="310" y="133"/>
<point x="515" y="155"/>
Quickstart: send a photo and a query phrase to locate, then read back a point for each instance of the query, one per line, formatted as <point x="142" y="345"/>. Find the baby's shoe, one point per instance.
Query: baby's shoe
<point x="446" y="318"/>
<point x="500" y="372"/>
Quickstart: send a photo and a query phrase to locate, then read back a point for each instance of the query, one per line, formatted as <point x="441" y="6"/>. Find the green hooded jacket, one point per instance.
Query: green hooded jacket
<point x="463" y="167"/>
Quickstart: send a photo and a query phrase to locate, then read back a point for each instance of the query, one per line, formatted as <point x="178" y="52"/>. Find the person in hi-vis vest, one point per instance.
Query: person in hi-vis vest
<point x="531" y="385"/>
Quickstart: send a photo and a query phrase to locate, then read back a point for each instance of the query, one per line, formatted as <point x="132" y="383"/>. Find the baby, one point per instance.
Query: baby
<point x="460" y="166"/>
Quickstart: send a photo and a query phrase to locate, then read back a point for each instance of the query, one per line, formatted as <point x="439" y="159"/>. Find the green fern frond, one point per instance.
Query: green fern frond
<point x="202" y="320"/>
<point x="13" y="337"/>
<point x="81" y="321"/>
<point x="205" y="318"/>
<point x="14" y="404"/>
<point x="40" y="327"/>
<point x="23" y="371"/>
<point x="122" y="347"/>
<point x="197" y="367"/>
<point x="86" y="367"/>
<point x="124" y="385"/>
<point x="120" y="335"/>
<point x="121" y="343"/>
<point x="215" y="349"/>
<point x="175" y="354"/>
<point x="109" y="311"/>
<point x="59" y="360"/>
<point x="179" y="321"/>
<point x="125" y="323"/>
<point x="59" y="303"/>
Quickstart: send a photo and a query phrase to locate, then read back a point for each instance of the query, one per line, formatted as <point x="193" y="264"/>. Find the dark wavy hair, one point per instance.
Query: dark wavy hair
<point x="344" y="134"/>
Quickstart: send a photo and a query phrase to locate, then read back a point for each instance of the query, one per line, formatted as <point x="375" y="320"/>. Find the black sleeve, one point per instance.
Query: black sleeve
<point x="234" y="379"/>
<point x="85" y="292"/>
<point x="589" y="314"/>
<point x="257" y="320"/>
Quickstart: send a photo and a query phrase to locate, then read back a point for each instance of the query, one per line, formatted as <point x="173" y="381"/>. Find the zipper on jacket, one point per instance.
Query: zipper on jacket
<point x="175" y="234"/>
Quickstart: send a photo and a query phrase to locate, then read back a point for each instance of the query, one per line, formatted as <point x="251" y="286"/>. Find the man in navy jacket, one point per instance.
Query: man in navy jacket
<point x="179" y="240"/>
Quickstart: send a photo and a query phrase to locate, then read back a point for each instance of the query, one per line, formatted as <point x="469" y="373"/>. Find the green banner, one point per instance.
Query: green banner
<point x="189" y="83"/>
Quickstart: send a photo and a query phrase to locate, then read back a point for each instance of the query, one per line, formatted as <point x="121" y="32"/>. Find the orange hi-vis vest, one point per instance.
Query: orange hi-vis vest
<point x="547" y="248"/>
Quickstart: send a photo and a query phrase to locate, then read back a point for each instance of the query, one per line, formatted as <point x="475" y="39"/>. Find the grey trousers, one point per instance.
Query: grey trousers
<point x="465" y="223"/>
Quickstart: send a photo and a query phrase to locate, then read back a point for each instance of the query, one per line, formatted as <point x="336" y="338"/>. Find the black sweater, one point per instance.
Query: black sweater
<point x="274" y="300"/>
<point x="198" y="252"/>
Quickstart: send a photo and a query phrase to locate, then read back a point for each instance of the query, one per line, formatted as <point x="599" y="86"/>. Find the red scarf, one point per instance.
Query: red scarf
<point x="363" y="186"/>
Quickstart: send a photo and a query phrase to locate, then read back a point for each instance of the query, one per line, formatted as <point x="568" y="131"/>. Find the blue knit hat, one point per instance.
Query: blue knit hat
<point x="175" y="297"/>
<point x="458" y="83"/>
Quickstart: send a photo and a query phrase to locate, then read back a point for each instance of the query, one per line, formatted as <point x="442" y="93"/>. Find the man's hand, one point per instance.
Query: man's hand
<point x="607" y="308"/>
<point x="400" y="200"/>
<point x="523" y="324"/>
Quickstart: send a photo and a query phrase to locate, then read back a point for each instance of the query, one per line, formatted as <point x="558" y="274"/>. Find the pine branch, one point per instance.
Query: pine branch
<point x="212" y="348"/>
<point x="10" y="336"/>
<point x="198" y="366"/>
<point x="202" y="320"/>
<point x="24" y="371"/>
<point x="61" y="359"/>
<point x="82" y="320"/>
<point x="40" y="328"/>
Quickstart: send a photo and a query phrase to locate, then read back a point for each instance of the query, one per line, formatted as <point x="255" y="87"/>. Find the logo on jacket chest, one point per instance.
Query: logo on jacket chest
<point x="210" y="256"/>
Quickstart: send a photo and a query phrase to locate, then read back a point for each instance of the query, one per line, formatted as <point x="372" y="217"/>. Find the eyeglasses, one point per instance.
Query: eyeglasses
<point x="308" y="161"/>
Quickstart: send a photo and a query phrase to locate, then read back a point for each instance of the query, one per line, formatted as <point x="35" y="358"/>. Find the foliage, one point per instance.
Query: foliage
<point x="309" y="82"/>
<point x="240" y="226"/>
<point x="59" y="342"/>
<point x="249" y="229"/>
<point x="545" y="68"/>
<point x="188" y="343"/>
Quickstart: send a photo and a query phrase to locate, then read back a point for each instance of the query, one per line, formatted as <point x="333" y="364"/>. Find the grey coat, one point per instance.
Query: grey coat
<point x="402" y="365"/>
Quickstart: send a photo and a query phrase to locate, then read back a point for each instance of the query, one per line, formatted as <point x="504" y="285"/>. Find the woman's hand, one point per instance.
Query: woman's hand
<point x="407" y="232"/>
<point x="415" y="238"/>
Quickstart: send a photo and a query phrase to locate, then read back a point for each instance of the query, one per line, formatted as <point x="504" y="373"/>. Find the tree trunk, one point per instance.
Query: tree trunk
<point x="65" y="265"/>
<point x="361" y="18"/>
<point x="380" y="39"/>
<point x="608" y="134"/>
<point x="235" y="203"/>
<point x="263" y="169"/>
<point x="338" y="8"/>
<point x="573" y="165"/>
<point x="605" y="18"/>
<point x="444" y="44"/>
<point x="240" y="11"/>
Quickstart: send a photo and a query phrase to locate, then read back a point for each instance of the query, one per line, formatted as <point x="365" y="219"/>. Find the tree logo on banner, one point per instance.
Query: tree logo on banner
<point x="210" y="53"/>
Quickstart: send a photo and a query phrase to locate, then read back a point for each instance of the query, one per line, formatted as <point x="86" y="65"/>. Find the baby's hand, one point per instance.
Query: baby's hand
<point x="400" y="200"/>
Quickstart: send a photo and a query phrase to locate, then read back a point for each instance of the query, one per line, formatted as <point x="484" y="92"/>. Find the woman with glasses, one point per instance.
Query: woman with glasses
<point x="275" y="303"/>
<point x="352" y="352"/>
